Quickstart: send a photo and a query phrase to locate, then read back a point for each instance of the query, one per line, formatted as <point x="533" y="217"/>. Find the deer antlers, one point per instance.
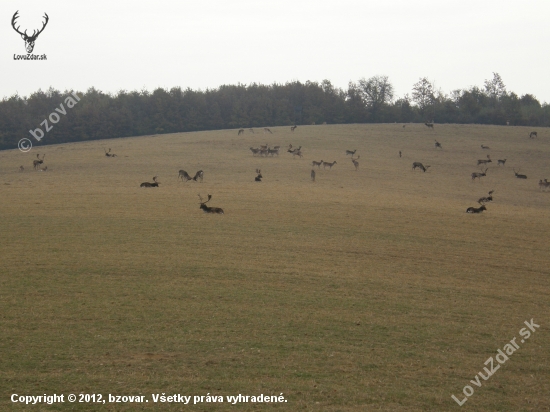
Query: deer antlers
<point x="29" y="40"/>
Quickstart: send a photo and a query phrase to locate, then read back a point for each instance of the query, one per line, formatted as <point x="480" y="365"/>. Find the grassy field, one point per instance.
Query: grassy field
<point x="366" y="290"/>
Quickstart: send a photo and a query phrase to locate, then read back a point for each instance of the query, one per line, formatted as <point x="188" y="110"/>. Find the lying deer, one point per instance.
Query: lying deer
<point x="207" y="209"/>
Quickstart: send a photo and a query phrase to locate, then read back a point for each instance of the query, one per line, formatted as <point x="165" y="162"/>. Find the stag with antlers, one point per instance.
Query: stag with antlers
<point x="198" y="175"/>
<point x="184" y="176"/>
<point x="518" y="175"/>
<point x="479" y="175"/>
<point x="108" y="153"/>
<point x="420" y="166"/>
<point x="154" y="184"/>
<point x="207" y="209"/>
<point x="29" y="40"/>
<point x="484" y="162"/>
<point x="37" y="163"/>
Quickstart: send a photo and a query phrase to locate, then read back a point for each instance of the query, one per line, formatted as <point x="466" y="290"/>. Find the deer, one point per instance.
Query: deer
<point x="438" y="145"/>
<point x="273" y="152"/>
<point x="266" y="130"/>
<point x="198" y="175"/>
<point x="518" y="175"/>
<point x="501" y="162"/>
<point x="254" y="151"/>
<point x="313" y="175"/>
<point x="292" y="128"/>
<point x="259" y="177"/>
<point x="485" y="147"/>
<point x="206" y="209"/>
<point x="45" y="169"/>
<point x="544" y="185"/>
<point x="241" y="131"/>
<point x="532" y="135"/>
<point x="400" y="153"/>
<point x="483" y="200"/>
<point x="430" y="125"/>
<point x="479" y="175"/>
<point x="350" y="152"/>
<point x="251" y="131"/>
<point x="108" y="153"/>
<point x="38" y="162"/>
<point x="318" y="164"/>
<point x="21" y="168"/>
<point x="476" y="209"/>
<point x="29" y="40"/>
<point x="297" y="153"/>
<point x="355" y="162"/>
<point x="484" y="162"/>
<point x="184" y="176"/>
<point x="325" y="164"/>
<point x="154" y="184"/>
<point x="420" y="166"/>
<point x="291" y="150"/>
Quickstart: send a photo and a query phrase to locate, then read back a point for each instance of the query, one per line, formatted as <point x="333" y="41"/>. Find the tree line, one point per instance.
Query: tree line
<point x="101" y="115"/>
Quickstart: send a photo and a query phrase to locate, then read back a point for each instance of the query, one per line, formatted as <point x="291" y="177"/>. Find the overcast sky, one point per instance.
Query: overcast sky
<point x="131" y="45"/>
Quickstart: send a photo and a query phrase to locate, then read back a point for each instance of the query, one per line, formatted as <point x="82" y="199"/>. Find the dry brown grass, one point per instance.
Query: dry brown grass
<point x="367" y="290"/>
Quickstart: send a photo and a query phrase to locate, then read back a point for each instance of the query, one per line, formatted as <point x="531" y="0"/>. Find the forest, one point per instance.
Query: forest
<point x="99" y="115"/>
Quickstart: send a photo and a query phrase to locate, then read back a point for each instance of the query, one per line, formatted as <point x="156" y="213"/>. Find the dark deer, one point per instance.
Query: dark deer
<point x="325" y="164"/>
<point x="420" y="166"/>
<point x="254" y="151"/>
<point x="532" y="135"/>
<point x="483" y="200"/>
<point x="259" y="177"/>
<point x="21" y="168"/>
<point x="241" y="131"/>
<point x="430" y="125"/>
<point x="313" y="175"/>
<point x="292" y="128"/>
<point x="108" y="153"/>
<point x="485" y="147"/>
<point x="501" y="162"/>
<point x="350" y="152"/>
<point x="544" y="185"/>
<point x="207" y="209"/>
<point x="518" y="175"/>
<point x="479" y="175"/>
<point x="400" y="153"/>
<point x="484" y="162"/>
<point x="355" y="162"/>
<point x="198" y="175"/>
<point x="318" y="164"/>
<point x="154" y="184"/>
<point x="38" y="162"/>
<point x="29" y="40"/>
<point x="184" y="176"/>
<point x="476" y="209"/>
<point x="438" y="145"/>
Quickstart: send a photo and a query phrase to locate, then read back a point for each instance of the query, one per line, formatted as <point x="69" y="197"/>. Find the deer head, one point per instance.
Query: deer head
<point x="29" y="40"/>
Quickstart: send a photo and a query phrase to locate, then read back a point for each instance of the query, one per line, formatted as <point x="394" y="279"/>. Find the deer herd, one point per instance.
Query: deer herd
<point x="266" y="150"/>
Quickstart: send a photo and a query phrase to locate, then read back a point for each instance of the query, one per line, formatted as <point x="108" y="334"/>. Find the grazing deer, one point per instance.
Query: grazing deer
<point x="438" y="145"/>
<point x="325" y="164"/>
<point x="318" y="164"/>
<point x="430" y="125"/>
<point x="292" y="128"/>
<point x="313" y="175"/>
<point x="241" y="131"/>
<point x="184" y="176"/>
<point x="254" y="151"/>
<point x="420" y="166"/>
<point x="501" y="162"/>
<point x="154" y="184"/>
<point x="484" y="162"/>
<point x="355" y="162"/>
<point x="485" y="147"/>
<point x="38" y="162"/>
<point x="259" y="177"/>
<point x="518" y="175"/>
<point x="476" y="209"/>
<point x="108" y="153"/>
<point x="479" y="175"/>
<point x="207" y="209"/>
<point x="21" y="168"/>
<point x="350" y="152"/>
<point x="198" y="175"/>
<point x="266" y="130"/>
<point x="532" y="135"/>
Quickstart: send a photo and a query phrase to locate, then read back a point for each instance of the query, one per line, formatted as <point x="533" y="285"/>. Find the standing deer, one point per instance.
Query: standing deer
<point x="21" y="168"/>
<point x="532" y="135"/>
<point x="438" y="145"/>
<point x="241" y="131"/>
<point x="355" y="162"/>
<point x="154" y="184"/>
<point x="325" y="164"/>
<point x="420" y="166"/>
<point x="38" y="162"/>
<point x="350" y="152"/>
<point x="518" y="175"/>
<point x="476" y="209"/>
<point x="430" y="125"/>
<point x="45" y="169"/>
<point x="479" y="175"/>
<point x="318" y="164"/>
<point x="292" y="128"/>
<point x="207" y="209"/>
<point x="184" y="176"/>
<point x="501" y="162"/>
<point x="484" y="162"/>
<point x="313" y="175"/>
<point x="198" y="175"/>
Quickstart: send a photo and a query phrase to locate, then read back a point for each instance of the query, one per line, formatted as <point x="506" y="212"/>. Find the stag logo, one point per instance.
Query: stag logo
<point x="29" y="40"/>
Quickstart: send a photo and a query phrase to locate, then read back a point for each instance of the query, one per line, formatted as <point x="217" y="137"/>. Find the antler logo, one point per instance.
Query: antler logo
<point x="29" y="40"/>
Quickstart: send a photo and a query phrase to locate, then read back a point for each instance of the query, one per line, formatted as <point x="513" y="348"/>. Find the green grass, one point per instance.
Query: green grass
<point x="367" y="290"/>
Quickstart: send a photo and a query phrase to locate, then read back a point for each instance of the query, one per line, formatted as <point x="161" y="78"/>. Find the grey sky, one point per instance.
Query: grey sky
<point x="132" y="45"/>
